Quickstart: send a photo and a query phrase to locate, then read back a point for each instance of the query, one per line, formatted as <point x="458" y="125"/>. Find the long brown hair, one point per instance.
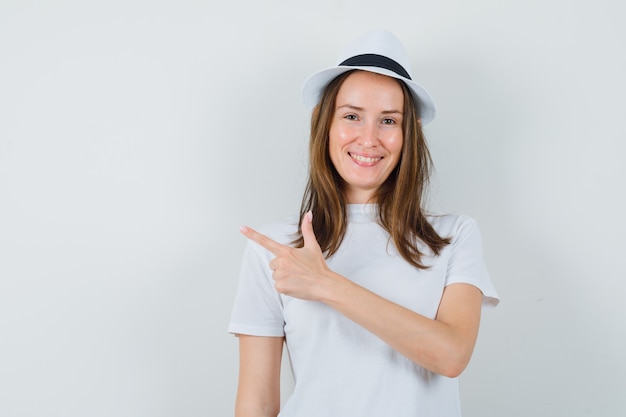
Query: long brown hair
<point x="399" y="198"/>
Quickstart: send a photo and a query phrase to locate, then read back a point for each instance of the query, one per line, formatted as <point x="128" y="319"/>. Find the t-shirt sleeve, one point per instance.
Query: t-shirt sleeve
<point x="466" y="263"/>
<point x="257" y="310"/>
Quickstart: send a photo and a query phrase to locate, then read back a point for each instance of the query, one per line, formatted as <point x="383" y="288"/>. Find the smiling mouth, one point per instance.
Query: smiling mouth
<point x="365" y="159"/>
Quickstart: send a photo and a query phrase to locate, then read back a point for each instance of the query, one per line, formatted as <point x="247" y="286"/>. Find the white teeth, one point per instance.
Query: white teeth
<point x="365" y="158"/>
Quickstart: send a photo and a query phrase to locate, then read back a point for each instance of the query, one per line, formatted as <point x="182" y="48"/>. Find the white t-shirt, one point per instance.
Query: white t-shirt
<point x="340" y="369"/>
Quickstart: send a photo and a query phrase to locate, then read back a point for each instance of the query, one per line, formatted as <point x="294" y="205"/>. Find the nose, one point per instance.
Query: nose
<point x="369" y="135"/>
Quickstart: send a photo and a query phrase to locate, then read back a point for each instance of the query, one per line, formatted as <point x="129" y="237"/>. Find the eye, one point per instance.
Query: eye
<point x="350" y="117"/>
<point x="388" y="121"/>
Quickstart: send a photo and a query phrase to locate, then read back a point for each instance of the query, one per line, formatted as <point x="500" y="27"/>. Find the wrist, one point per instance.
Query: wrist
<point x="334" y="288"/>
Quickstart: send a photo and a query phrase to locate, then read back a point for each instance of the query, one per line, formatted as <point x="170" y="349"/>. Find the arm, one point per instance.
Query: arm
<point x="258" y="392"/>
<point x="443" y="345"/>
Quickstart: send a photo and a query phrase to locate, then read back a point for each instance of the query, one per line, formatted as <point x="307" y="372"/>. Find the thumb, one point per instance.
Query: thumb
<point x="307" y="231"/>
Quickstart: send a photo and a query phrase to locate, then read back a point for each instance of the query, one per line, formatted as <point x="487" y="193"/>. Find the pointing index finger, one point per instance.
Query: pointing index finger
<point x="262" y="240"/>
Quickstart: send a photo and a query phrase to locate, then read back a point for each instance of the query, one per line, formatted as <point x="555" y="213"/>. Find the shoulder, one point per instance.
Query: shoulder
<point x="282" y="231"/>
<point x="453" y="225"/>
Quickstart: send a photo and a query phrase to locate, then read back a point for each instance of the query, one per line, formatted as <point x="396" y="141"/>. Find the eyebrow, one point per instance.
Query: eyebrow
<point x="357" y="108"/>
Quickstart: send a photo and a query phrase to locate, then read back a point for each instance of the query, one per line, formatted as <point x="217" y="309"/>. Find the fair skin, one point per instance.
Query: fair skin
<point x="365" y="144"/>
<point x="258" y="392"/>
<point x="365" y="138"/>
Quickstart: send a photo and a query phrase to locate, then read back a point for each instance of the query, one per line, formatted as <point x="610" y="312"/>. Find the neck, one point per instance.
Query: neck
<point x="360" y="197"/>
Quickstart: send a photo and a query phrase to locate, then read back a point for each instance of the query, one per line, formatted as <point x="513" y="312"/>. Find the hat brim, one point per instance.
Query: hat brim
<point x="315" y="84"/>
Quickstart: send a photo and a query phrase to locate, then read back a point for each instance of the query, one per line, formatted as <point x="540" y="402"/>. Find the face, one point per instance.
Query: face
<point x="365" y="139"/>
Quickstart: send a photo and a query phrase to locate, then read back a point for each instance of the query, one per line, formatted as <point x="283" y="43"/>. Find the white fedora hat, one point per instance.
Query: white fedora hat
<point x="377" y="51"/>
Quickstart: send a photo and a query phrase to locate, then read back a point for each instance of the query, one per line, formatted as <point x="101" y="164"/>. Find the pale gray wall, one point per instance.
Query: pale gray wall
<point x="136" y="136"/>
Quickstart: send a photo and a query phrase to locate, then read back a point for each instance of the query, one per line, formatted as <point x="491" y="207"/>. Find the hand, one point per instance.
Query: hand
<point x="298" y="272"/>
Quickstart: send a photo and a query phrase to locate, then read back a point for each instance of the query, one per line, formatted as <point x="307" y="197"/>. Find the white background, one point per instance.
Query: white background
<point x="136" y="136"/>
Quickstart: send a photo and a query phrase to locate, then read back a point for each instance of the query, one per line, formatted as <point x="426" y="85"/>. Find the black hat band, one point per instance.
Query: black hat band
<point x="375" y="60"/>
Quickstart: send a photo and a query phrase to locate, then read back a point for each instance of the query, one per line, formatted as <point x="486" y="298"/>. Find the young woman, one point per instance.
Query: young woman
<point x="377" y="302"/>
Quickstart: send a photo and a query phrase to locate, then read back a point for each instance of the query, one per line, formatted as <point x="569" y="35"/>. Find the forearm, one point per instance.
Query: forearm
<point x="443" y="345"/>
<point x="438" y="345"/>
